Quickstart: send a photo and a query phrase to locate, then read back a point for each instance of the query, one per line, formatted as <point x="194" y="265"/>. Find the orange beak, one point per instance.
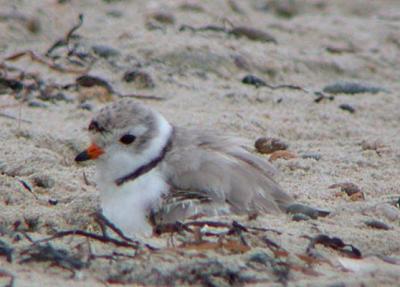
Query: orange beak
<point x="92" y="152"/>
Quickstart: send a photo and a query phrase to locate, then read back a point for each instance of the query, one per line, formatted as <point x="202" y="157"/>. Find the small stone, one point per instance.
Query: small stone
<point x="105" y="51"/>
<point x="115" y="13"/>
<point x="348" y="187"/>
<point x="36" y="104"/>
<point x="253" y="80"/>
<point x="53" y="201"/>
<point x="348" y="108"/>
<point x="33" y="25"/>
<point x="192" y="7"/>
<point x="43" y="181"/>
<point x="311" y="155"/>
<point x="377" y="224"/>
<point x="300" y="217"/>
<point x="86" y="106"/>
<point x="140" y="79"/>
<point x="297" y="208"/>
<point x="269" y="145"/>
<point x="252" y="34"/>
<point x="163" y="17"/>
<point x="282" y="154"/>
<point x="352" y="88"/>
<point x="54" y="97"/>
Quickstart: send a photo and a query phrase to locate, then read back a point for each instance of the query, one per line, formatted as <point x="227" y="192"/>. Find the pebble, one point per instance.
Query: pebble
<point x="105" y="51"/>
<point x="53" y="201"/>
<point x="36" y="104"/>
<point x="163" y="17"/>
<point x="377" y="224"/>
<point x="297" y="208"/>
<point x="269" y="145"/>
<point x="348" y="187"/>
<point x="252" y="34"/>
<point x="142" y="80"/>
<point x="311" y="155"/>
<point x="253" y="80"/>
<point x="54" y="97"/>
<point x="348" y="108"/>
<point x="86" y="106"/>
<point x="352" y="88"/>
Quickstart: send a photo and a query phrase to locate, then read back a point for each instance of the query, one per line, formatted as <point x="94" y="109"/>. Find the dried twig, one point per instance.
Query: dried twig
<point x="65" y="41"/>
<point x="14" y="118"/>
<point x="101" y="238"/>
<point x="35" y="57"/>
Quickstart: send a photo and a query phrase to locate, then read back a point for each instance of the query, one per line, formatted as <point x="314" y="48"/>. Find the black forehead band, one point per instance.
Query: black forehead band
<point x="94" y="126"/>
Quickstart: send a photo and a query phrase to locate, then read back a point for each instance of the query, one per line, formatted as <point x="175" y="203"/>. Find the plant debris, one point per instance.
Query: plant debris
<point x="269" y="145"/>
<point x="334" y="243"/>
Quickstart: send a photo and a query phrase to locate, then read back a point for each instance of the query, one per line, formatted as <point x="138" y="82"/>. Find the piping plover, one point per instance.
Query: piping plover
<point x="150" y="169"/>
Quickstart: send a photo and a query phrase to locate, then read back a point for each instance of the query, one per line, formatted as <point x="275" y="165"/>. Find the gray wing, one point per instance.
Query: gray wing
<point x="222" y="170"/>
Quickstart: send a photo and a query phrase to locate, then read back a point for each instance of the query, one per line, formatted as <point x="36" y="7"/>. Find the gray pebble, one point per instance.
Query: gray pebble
<point x="86" y="106"/>
<point x="311" y="155"/>
<point x="377" y="224"/>
<point x="105" y="51"/>
<point x="298" y="208"/>
<point x="347" y="187"/>
<point x="352" y="88"/>
<point x="36" y="104"/>
<point x="348" y="108"/>
<point x="141" y="79"/>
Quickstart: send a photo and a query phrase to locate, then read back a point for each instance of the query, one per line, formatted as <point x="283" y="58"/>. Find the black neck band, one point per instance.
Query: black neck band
<point x="149" y="166"/>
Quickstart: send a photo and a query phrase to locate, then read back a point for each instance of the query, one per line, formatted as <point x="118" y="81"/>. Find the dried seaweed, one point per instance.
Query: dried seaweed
<point x="334" y="243"/>
<point x="57" y="256"/>
<point x="65" y="41"/>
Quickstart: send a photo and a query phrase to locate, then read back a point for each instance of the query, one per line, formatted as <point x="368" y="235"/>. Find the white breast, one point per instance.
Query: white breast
<point x="128" y="205"/>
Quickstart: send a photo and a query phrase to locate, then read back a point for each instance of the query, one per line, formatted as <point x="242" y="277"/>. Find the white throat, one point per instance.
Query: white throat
<point x="128" y="205"/>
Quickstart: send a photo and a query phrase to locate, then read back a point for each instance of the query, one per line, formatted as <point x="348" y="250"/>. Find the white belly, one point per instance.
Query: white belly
<point x="128" y="205"/>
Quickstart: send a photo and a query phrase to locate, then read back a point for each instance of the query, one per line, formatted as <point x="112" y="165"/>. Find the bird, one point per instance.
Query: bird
<point x="150" y="172"/>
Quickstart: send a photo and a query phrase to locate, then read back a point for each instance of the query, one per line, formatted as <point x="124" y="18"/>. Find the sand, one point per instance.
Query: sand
<point x="198" y="74"/>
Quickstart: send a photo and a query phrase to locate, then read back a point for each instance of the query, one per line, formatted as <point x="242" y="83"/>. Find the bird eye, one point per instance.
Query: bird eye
<point x="127" y="139"/>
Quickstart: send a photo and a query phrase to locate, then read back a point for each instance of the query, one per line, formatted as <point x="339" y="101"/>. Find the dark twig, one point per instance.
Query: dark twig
<point x="27" y="187"/>
<point x="65" y="41"/>
<point x="41" y="60"/>
<point x="97" y="237"/>
<point x="14" y="118"/>
<point x="102" y="220"/>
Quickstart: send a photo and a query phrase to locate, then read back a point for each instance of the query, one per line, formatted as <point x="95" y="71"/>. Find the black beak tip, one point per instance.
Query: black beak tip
<point x="83" y="156"/>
